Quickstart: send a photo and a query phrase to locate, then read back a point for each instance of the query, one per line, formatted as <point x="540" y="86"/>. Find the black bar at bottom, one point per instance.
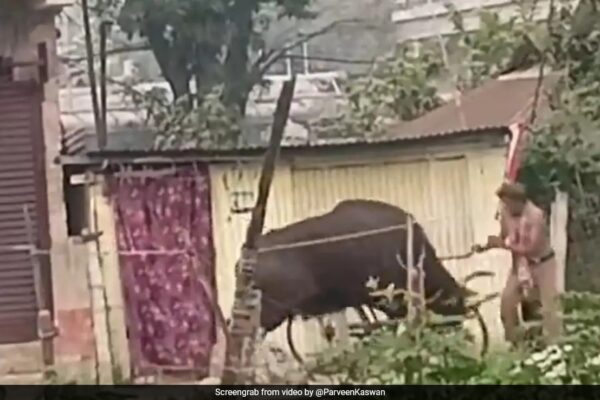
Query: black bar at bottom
<point x="405" y="392"/>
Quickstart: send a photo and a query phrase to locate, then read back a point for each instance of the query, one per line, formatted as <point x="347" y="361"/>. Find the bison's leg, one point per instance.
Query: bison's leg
<point x="362" y="315"/>
<point x="373" y="314"/>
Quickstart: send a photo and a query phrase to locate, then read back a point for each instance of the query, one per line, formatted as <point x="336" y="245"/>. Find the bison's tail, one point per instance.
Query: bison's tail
<point x="290" y="341"/>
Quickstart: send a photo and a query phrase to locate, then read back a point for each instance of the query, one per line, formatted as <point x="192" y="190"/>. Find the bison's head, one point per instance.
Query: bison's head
<point x="282" y="286"/>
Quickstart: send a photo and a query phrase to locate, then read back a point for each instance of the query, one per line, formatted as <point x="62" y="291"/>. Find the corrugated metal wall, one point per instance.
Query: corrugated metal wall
<point x="22" y="184"/>
<point x="452" y="197"/>
<point x="233" y="194"/>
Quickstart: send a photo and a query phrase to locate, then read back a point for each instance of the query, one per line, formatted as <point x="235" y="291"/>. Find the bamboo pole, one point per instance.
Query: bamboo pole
<point x="410" y="271"/>
<point x="46" y="331"/>
<point x="559" y="220"/>
<point x="246" y="307"/>
<point x="103" y="131"/>
<point x="415" y="277"/>
<point x="92" y="74"/>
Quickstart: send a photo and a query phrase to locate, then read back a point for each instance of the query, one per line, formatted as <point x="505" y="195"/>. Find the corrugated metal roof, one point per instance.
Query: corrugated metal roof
<point x="496" y="104"/>
<point x="81" y="142"/>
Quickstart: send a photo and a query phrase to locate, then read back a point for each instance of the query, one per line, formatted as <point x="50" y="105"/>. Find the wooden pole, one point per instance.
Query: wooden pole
<point x="92" y="74"/>
<point x="421" y="300"/>
<point x="559" y="219"/>
<point x="410" y="270"/>
<point x="46" y="331"/>
<point x="103" y="132"/>
<point x="415" y="277"/>
<point x="245" y="319"/>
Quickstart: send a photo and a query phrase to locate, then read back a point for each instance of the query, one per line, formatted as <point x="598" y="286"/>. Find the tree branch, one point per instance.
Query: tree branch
<point x="267" y="59"/>
<point x="92" y="74"/>
<point x="540" y="79"/>
<point x="110" y="52"/>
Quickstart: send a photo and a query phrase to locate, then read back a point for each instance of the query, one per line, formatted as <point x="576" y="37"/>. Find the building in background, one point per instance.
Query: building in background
<point x="424" y="19"/>
<point x="362" y="32"/>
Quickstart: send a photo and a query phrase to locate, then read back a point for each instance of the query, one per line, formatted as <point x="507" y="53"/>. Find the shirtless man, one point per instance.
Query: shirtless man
<point x="524" y="234"/>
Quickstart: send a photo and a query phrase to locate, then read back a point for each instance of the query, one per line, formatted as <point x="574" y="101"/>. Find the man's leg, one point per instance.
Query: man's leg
<point x="509" y="312"/>
<point x="545" y="277"/>
<point x="531" y="309"/>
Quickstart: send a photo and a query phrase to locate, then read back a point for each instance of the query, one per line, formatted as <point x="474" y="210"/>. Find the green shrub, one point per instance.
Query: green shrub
<point x="432" y="356"/>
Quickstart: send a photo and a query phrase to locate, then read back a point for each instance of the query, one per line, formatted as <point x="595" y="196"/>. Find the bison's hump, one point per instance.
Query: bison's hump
<point x="347" y="217"/>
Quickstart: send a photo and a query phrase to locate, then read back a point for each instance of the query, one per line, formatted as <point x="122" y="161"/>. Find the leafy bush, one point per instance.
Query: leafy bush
<point x="428" y="356"/>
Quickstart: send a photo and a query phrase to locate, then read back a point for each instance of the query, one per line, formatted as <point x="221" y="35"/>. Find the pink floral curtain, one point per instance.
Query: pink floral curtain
<point x="167" y="268"/>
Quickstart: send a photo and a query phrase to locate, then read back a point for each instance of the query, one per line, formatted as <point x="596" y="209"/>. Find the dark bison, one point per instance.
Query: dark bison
<point x="310" y="280"/>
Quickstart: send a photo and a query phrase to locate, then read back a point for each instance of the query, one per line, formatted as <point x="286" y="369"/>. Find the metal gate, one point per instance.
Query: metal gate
<point x="23" y="212"/>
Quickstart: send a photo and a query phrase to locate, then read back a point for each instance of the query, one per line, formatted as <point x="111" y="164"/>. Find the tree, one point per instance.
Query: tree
<point x="564" y="152"/>
<point x="16" y="22"/>
<point x="497" y="47"/>
<point x="400" y="87"/>
<point x="185" y="37"/>
<point x="564" y="149"/>
<point x="210" y="40"/>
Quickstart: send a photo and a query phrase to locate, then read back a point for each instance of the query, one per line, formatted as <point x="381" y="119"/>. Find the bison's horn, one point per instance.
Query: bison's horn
<point x="468" y="292"/>
<point x="486" y="299"/>
<point x="477" y="274"/>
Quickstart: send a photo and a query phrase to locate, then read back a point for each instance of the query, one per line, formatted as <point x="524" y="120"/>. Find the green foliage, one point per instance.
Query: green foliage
<point x="399" y="88"/>
<point x="563" y="152"/>
<point x="215" y="43"/>
<point x="190" y="122"/>
<point x="492" y="49"/>
<point x="404" y="357"/>
<point x="210" y="124"/>
<point x="186" y="36"/>
<point x="427" y="356"/>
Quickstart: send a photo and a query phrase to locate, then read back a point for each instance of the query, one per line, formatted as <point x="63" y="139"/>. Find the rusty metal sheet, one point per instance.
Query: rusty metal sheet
<point x="494" y="105"/>
<point x="22" y="182"/>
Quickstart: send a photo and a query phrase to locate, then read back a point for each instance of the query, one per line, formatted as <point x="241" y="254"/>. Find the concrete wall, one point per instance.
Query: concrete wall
<point x="75" y="346"/>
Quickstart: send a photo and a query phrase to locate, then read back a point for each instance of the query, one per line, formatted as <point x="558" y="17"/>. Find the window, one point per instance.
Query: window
<point x="77" y="206"/>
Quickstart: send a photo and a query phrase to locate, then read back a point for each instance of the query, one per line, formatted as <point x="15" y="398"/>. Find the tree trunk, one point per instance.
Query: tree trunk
<point x="172" y="60"/>
<point x="237" y="82"/>
<point x="101" y="136"/>
<point x="179" y="81"/>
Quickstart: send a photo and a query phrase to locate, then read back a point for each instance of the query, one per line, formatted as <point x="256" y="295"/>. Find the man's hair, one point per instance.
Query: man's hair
<point x="514" y="191"/>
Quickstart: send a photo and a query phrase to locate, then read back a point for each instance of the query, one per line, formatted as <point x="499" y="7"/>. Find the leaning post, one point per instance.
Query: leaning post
<point x="415" y="277"/>
<point x="409" y="270"/>
<point x="246" y="306"/>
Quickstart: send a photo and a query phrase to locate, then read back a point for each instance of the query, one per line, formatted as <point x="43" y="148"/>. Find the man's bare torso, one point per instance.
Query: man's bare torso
<point x="519" y="229"/>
